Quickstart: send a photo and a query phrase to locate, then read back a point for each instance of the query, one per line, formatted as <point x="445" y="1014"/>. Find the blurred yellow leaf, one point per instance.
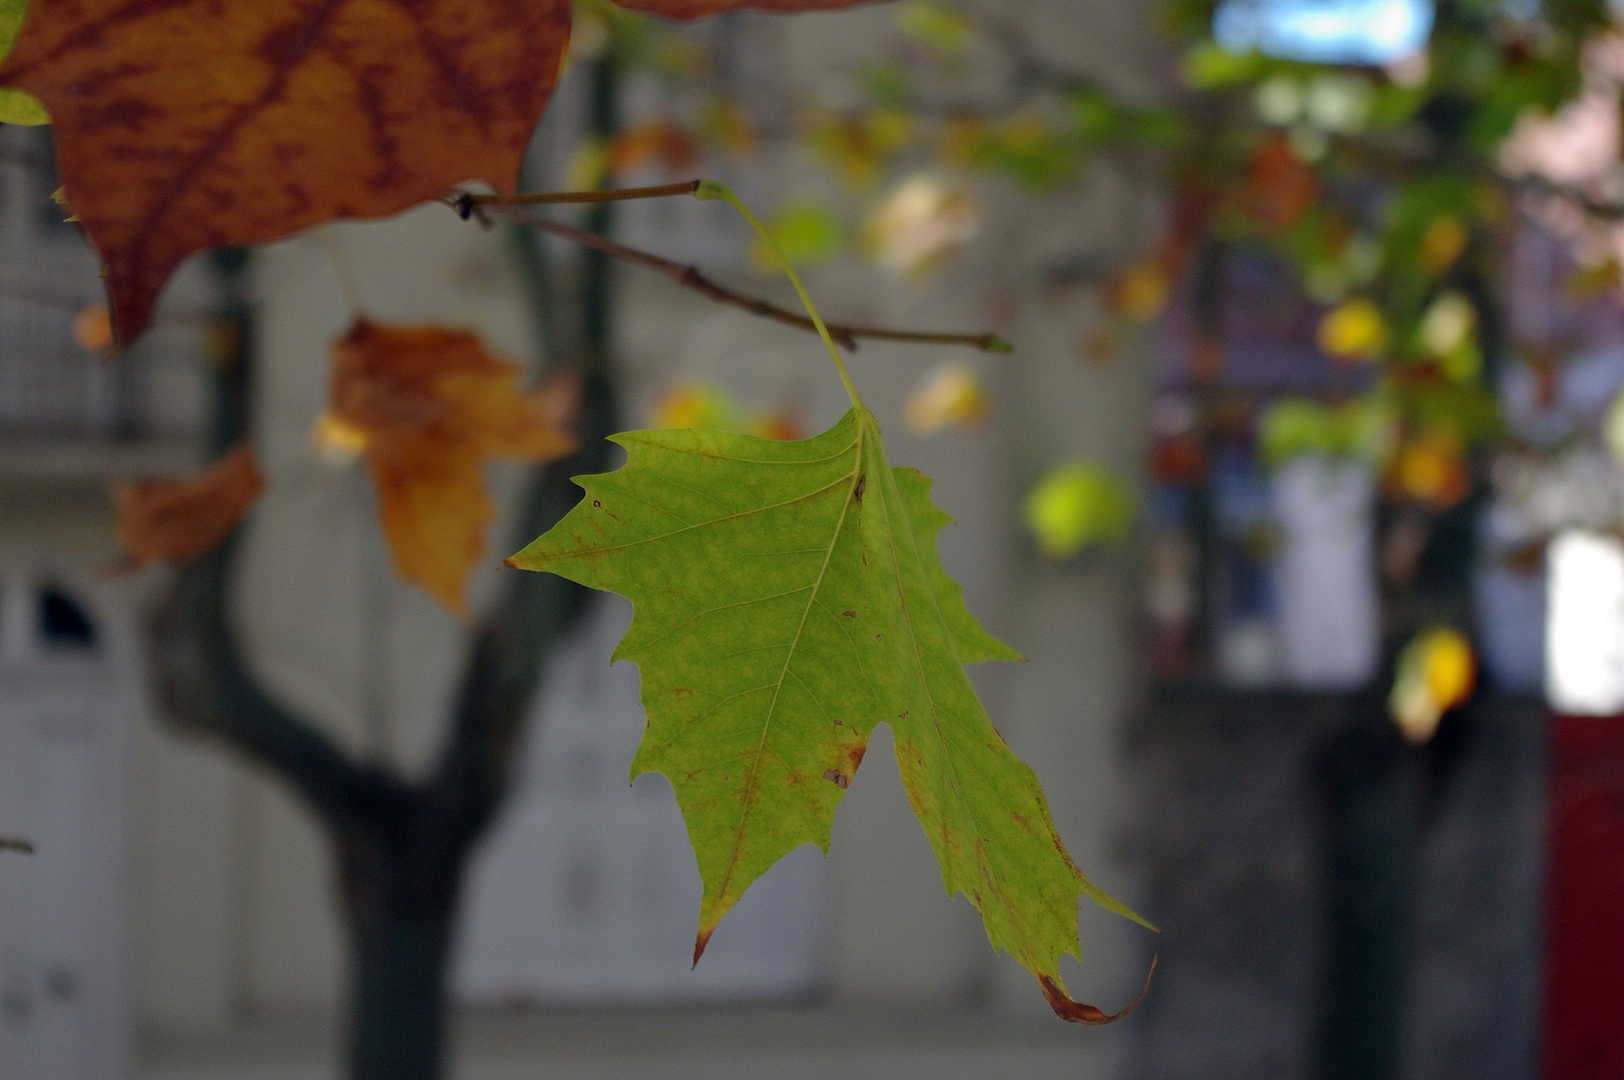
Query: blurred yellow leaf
<point x="921" y="222"/>
<point x="1448" y="321"/>
<point x="950" y="394"/>
<point x="804" y="233"/>
<point x="935" y="25"/>
<point x="1076" y="505"/>
<point x="1442" y="243"/>
<point x="93" y="328"/>
<point x="1141" y="292"/>
<point x="859" y="147"/>
<point x="1435" y="672"/>
<point x="1354" y="331"/>
<point x="1431" y="468"/>
<point x="338" y="442"/>
<point x="588" y="166"/>
<point x="695" y="405"/>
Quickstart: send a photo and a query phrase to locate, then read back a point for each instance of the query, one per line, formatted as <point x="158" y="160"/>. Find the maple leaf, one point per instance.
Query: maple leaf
<point x="192" y="124"/>
<point x="789" y="598"/>
<point x="178" y="521"/>
<point x="16" y="107"/>
<point x="428" y="407"/>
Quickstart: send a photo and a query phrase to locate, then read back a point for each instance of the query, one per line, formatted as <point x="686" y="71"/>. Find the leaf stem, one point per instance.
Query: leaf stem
<point x="340" y="259"/>
<point x="712" y="189"/>
<point x="845" y="334"/>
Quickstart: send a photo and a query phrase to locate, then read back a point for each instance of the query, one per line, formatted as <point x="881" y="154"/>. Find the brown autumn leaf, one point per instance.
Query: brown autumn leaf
<point x="191" y="124"/>
<point x="1279" y="187"/>
<point x="659" y="141"/>
<point x="430" y="406"/>
<point x="179" y="521"/>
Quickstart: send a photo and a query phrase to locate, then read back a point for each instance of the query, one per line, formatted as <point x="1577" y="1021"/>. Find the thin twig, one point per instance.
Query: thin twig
<point x="8" y="843"/>
<point x="464" y="202"/>
<point x="846" y="335"/>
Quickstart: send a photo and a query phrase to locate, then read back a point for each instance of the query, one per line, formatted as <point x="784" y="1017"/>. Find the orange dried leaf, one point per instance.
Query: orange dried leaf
<point x="178" y="521"/>
<point x="93" y="328"/>
<point x="430" y="407"/>
<point x="659" y="142"/>
<point x="192" y="124"/>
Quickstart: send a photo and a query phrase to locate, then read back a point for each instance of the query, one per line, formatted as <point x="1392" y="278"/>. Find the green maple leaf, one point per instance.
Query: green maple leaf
<point x="16" y="106"/>
<point x="788" y="598"/>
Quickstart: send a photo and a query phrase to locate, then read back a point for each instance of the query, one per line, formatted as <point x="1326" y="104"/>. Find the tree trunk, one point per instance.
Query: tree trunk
<point x="399" y="916"/>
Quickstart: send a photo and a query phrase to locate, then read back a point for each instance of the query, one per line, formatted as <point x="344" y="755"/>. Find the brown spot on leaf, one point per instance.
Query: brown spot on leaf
<point x="903" y="715"/>
<point x="862" y="486"/>
<point x="1078" y="1013"/>
<point x="848" y="614"/>
<point x="1021" y="819"/>
<point x="595" y="502"/>
<point x="854" y="756"/>
<point x="839" y="780"/>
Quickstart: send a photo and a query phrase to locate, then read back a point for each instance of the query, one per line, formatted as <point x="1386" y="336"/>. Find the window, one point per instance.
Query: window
<point x="1325" y="31"/>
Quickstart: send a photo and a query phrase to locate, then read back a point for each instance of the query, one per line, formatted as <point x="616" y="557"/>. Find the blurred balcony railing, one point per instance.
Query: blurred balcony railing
<point x="66" y="410"/>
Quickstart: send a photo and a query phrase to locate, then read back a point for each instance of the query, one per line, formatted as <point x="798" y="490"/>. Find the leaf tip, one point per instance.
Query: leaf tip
<point x="1078" y="1013"/>
<point x="700" y="942"/>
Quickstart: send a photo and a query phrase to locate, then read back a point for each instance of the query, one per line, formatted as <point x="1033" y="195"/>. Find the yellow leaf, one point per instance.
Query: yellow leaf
<point x="430" y="406"/>
<point x="1076" y="505"/>
<point x="922" y="221"/>
<point x="1354" y="331"/>
<point x="93" y="328"/>
<point x="695" y="405"/>
<point x="949" y="395"/>
<point x="1436" y="671"/>
<point x="1141" y="292"/>
<point x="1442" y="243"/>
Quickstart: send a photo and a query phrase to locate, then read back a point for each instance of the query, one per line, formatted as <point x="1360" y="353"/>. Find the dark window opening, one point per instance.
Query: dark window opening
<point x="63" y="623"/>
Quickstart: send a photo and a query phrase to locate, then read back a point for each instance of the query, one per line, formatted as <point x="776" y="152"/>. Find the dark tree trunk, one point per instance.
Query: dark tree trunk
<point x="398" y="912"/>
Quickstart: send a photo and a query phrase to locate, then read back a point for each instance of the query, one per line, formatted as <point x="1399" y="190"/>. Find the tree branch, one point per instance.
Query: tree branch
<point x="200" y="679"/>
<point x="464" y="202"/>
<point x="845" y="334"/>
<point x="536" y="611"/>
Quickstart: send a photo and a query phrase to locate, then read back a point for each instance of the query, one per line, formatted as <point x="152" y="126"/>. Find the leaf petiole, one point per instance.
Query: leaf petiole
<point x="712" y="189"/>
